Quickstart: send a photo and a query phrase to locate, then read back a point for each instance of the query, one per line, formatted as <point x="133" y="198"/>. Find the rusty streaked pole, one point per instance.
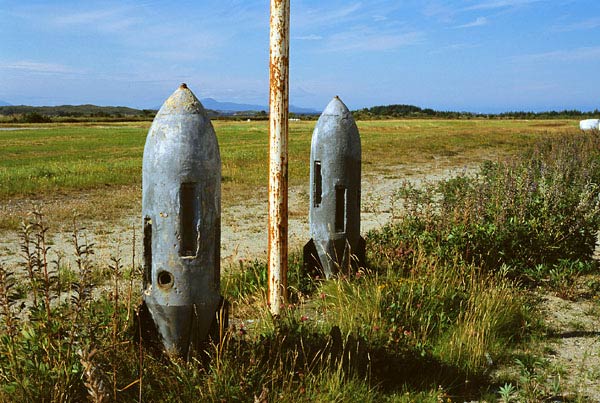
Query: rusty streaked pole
<point x="278" y="153"/>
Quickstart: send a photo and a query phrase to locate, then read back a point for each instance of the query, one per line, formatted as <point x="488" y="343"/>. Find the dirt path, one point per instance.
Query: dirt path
<point x="244" y="226"/>
<point x="574" y="329"/>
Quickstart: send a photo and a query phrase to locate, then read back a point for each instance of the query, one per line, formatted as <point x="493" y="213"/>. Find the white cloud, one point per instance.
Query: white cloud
<point x="181" y="43"/>
<point x="564" y="55"/>
<point x="353" y="26"/>
<point x="325" y="16"/>
<point x="492" y="4"/>
<point x="311" y="37"/>
<point x="380" y="18"/>
<point x="480" y="21"/>
<point x="150" y="36"/>
<point x="440" y="11"/>
<point x="84" y="18"/>
<point x="456" y="47"/>
<point x="368" y="41"/>
<point x="106" y="20"/>
<point x="591" y="23"/>
<point x="37" y="67"/>
<point x="137" y="29"/>
<point x="536" y="87"/>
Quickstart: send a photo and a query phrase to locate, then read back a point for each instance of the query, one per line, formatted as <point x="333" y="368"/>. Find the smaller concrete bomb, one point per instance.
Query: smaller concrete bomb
<point x="181" y="209"/>
<point x="334" y="214"/>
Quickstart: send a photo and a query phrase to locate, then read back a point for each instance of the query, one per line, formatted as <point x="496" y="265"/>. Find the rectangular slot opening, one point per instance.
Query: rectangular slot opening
<point x="189" y="215"/>
<point x="318" y="185"/>
<point x="147" y="250"/>
<point x="340" y="208"/>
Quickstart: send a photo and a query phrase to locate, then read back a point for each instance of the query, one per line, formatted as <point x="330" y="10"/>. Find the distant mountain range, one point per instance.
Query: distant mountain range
<point x="214" y="108"/>
<point x="226" y="108"/>
<point x="231" y="107"/>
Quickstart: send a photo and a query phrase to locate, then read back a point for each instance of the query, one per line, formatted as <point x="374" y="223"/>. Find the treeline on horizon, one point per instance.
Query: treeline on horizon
<point x="71" y="113"/>
<point x="76" y="113"/>
<point x="411" y="111"/>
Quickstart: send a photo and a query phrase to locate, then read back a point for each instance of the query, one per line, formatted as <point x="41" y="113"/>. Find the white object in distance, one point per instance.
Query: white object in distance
<point x="590" y="124"/>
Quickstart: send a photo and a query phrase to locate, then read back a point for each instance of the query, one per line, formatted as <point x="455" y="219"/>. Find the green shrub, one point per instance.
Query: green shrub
<point x="34" y="117"/>
<point x="535" y="210"/>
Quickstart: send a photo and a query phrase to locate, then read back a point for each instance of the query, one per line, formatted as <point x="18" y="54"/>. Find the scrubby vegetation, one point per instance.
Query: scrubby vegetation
<point x="523" y="217"/>
<point x="444" y="302"/>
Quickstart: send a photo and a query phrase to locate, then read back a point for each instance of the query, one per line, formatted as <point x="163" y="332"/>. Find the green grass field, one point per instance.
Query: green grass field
<point x="93" y="170"/>
<point x="45" y="159"/>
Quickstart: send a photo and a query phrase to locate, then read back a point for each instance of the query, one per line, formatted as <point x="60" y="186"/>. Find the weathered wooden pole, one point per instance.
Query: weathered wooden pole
<point x="278" y="152"/>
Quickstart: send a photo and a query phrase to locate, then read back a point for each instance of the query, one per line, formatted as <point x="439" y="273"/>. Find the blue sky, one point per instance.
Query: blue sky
<point x="474" y="55"/>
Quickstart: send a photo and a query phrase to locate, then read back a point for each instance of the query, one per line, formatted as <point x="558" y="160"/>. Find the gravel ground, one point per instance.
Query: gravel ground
<point x="244" y="226"/>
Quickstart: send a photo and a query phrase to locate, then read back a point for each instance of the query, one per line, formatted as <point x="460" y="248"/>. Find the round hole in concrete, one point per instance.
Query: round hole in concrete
<point x="165" y="279"/>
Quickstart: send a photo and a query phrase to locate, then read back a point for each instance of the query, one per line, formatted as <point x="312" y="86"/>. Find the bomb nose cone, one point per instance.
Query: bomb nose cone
<point x="182" y="102"/>
<point x="336" y="107"/>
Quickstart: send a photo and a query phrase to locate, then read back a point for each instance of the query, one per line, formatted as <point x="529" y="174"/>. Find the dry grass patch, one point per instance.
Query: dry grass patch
<point x="95" y="168"/>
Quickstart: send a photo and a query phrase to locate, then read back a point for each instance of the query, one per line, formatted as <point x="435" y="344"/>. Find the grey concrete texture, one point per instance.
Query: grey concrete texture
<point x="181" y="214"/>
<point x="335" y="176"/>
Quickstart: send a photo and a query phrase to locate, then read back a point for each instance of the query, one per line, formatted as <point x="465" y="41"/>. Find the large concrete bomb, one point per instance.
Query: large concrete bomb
<point x="181" y="209"/>
<point x="335" y="159"/>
